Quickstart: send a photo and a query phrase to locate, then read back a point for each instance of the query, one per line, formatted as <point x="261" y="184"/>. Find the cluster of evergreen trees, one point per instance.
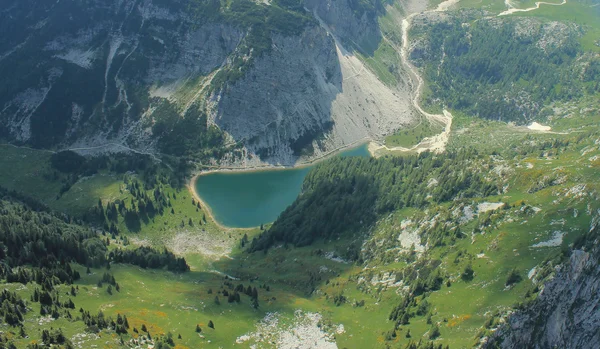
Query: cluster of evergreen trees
<point x="424" y="277"/>
<point x="141" y="207"/>
<point x="523" y="75"/>
<point x="98" y="322"/>
<point x="40" y="239"/>
<point x="47" y="277"/>
<point x="147" y="201"/>
<point x="38" y="246"/>
<point x="147" y="257"/>
<point x="191" y="135"/>
<point x="12" y="308"/>
<point x="47" y="243"/>
<point x="55" y="336"/>
<point x="345" y="195"/>
<point x="68" y="167"/>
<point x="233" y="293"/>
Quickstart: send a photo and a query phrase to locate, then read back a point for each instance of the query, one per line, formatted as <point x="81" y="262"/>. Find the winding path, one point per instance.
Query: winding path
<point x="512" y="9"/>
<point x="118" y="145"/>
<point x="437" y="143"/>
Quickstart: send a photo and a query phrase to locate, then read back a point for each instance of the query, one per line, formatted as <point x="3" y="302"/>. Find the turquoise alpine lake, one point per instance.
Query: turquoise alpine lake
<point x="249" y="199"/>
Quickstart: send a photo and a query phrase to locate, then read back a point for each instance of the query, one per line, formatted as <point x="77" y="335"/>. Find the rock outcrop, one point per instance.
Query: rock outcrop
<point x="565" y="314"/>
<point x="102" y="72"/>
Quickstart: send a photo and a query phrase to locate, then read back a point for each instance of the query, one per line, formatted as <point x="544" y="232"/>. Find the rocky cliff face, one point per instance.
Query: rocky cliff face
<point x="565" y="315"/>
<point x="86" y="73"/>
<point x="89" y="74"/>
<point x="354" y="22"/>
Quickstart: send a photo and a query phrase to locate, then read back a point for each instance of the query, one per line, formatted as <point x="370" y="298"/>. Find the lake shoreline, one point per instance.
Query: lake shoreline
<point x="192" y="184"/>
<point x="258" y="168"/>
<point x="204" y="206"/>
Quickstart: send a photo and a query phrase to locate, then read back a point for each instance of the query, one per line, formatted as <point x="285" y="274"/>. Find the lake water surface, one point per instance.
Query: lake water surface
<point x="249" y="199"/>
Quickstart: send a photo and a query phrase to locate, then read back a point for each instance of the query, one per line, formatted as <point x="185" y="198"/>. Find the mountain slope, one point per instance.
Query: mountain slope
<point x="259" y="82"/>
<point x="565" y="314"/>
<point x="488" y="241"/>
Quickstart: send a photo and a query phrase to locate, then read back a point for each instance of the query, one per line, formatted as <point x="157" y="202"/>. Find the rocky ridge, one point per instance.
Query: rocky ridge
<point x="99" y="75"/>
<point x="565" y="313"/>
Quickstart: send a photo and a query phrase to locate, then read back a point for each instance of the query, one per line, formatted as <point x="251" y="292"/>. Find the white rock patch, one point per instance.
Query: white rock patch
<point x="531" y="273"/>
<point x="468" y="215"/>
<point x="79" y="57"/>
<point x="432" y="183"/>
<point x="332" y="257"/>
<point x="409" y="236"/>
<point x="538" y="127"/>
<point x="304" y="331"/>
<point x="556" y="240"/>
<point x="489" y="206"/>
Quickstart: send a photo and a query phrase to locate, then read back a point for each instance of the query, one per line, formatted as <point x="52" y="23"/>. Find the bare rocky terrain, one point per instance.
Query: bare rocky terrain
<point x="565" y="314"/>
<point x="104" y="74"/>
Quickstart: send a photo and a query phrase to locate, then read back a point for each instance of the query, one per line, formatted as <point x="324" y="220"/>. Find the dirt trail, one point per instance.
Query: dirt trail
<point x="437" y="143"/>
<point x="114" y="146"/>
<point x="512" y="9"/>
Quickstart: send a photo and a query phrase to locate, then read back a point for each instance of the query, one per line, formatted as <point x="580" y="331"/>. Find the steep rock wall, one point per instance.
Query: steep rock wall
<point x="565" y="315"/>
<point x="83" y="75"/>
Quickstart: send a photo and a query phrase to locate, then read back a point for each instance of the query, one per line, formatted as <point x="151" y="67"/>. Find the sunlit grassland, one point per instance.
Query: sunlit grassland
<point x="22" y="169"/>
<point x="412" y="136"/>
<point x="385" y="61"/>
<point x="29" y="171"/>
<point x="302" y="278"/>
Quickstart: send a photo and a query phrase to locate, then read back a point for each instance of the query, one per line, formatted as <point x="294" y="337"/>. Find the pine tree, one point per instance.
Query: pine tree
<point x="434" y="333"/>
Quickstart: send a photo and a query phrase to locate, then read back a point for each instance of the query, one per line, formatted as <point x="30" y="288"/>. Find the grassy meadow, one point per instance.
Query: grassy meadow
<point x="546" y="202"/>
